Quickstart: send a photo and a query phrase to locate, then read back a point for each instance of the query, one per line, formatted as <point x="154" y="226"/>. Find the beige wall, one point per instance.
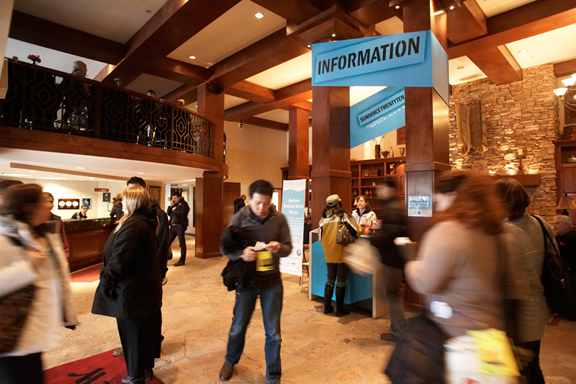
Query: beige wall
<point x="254" y="153"/>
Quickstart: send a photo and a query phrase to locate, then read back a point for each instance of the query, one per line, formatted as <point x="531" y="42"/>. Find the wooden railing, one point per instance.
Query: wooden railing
<point x="47" y="100"/>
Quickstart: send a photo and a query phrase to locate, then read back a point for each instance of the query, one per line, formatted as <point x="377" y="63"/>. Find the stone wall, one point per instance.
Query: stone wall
<point x="522" y="115"/>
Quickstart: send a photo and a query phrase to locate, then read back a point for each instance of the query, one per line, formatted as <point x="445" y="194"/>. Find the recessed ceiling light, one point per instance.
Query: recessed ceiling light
<point x="397" y="7"/>
<point x="333" y="35"/>
<point x="523" y="51"/>
<point x="259" y="15"/>
<point x="192" y="57"/>
<point x="460" y="67"/>
<point x="32" y="171"/>
<point x="451" y="7"/>
<point x="309" y="45"/>
<point x="141" y="173"/>
<point x="80" y="168"/>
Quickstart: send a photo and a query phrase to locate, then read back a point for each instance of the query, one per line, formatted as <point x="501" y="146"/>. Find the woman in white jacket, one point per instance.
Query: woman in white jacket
<point x="28" y="255"/>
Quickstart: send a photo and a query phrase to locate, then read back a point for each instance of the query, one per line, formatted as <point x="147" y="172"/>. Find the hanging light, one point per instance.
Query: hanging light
<point x="567" y="94"/>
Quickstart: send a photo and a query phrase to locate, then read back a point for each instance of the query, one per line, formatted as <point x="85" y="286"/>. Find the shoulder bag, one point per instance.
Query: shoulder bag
<point x="14" y="308"/>
<point x="343" y="235"/>
<point x="558" y="280"/>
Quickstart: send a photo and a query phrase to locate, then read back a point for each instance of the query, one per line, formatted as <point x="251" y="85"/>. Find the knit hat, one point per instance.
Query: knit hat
<point x="332" y="200"/>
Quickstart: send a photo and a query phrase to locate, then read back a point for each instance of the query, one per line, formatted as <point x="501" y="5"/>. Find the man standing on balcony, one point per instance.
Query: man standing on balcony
<point x="178" y="212"/>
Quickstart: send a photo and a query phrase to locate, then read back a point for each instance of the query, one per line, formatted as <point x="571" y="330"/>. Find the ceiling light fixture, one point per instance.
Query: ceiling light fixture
<point x="141" y="173"/>
<point x="258" y="15"/>
<point x="192" y="57"/>
<point x="80" y="168"/>
<point x="397" y="7"/>
<point x="451" y="7"/>
<point x="567" y="95"/>
<point x="522" y="51"/>
<point x="460" y="67"/>
<point x="333" y="35"/>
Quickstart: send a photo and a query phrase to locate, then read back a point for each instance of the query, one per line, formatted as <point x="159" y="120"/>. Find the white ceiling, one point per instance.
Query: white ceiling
<point x="233" y="31"/>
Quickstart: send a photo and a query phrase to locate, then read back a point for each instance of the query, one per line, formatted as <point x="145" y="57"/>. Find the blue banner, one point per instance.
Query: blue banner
<point x="414" y="59"/>
<point x="293" y="204"/>
<point x="377" y="115"/>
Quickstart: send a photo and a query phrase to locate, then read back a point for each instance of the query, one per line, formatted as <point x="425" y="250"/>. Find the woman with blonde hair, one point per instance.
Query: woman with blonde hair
<point x="130" y="287"/>
<point x="32" y="259"/>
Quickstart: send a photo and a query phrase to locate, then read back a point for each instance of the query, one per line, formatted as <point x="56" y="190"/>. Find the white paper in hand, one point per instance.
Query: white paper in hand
<point x="260" y="245"/>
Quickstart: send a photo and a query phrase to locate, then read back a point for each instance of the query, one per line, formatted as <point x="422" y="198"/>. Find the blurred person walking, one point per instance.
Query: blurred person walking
<point x="531" y="313"/>
<point x="30" y="256"/>
<point x="130" y="287"/>
<point x="332" y="215"/>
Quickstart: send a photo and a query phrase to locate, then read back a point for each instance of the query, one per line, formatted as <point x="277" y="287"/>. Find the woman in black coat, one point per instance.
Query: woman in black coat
<point x="130" y="287"/>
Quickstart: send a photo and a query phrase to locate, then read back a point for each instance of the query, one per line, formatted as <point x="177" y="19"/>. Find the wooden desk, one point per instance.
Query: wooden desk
<point x="86" y="239"/>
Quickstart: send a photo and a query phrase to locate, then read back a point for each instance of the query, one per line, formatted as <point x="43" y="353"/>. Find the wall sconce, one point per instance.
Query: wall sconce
<point x="565" y="204"/>
<point x="566" y="95"/>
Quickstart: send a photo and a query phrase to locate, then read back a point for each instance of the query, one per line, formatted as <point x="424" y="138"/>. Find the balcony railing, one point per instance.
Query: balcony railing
<point x="47" y="100"/>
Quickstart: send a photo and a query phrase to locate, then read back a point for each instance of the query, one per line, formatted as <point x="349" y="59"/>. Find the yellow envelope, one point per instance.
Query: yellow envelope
<point x="264" y="261"/>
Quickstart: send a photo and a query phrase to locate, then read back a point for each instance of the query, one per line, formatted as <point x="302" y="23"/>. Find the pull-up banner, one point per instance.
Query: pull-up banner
<point x="414" y="59"/>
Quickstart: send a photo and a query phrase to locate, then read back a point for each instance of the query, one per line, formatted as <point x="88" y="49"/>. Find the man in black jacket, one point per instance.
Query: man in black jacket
<point x="239" y="203"/>
<point x="566" y="239"/>
<point x="178" y="212"/>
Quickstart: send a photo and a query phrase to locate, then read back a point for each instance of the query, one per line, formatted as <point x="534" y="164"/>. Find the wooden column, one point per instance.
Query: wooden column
<point x="209" y="188"/>
<point x="298" y="147"/>
<point x="426" y="119"/>
<point x="426" y="126"/>
<point x="330" y="148"/>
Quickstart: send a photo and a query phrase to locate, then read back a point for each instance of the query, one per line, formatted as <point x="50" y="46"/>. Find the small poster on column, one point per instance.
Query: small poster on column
<point x="293" y="205"/>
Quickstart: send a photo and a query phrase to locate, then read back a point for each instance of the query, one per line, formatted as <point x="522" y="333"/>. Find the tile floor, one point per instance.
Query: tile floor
<point x="197" y="313"/>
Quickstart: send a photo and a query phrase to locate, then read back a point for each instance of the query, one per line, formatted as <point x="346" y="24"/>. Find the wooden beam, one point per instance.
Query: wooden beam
<point x="35" y="30"/>
<point x="295" y="11"/>
<point x="529" y="20"/>
<point x="177" y="70"/>
<point x="307" y="105"/>
<point x="264" y="123"/>
<point x="565" y="68"/>
<point x="498" y="64"/>
<point x="174" y="24"/>
<point x="466" y="23"/>
<point x="269" y="52"/>
<point x="284" y="97"/>
<point x="250" y="91"/>
<point x="371" y="12"/>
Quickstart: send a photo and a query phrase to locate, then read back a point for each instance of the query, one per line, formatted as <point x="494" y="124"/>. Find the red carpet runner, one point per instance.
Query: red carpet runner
<point x="98" y="369"/>
<point x="86" y="275"/>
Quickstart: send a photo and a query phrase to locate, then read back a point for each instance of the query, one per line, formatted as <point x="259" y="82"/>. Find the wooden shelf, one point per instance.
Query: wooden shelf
<point x="530" y="180"/>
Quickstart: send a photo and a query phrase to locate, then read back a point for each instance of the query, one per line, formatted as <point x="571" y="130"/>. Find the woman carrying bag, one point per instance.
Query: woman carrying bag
<point x="31" y="258"/>
<point x="333" y="216"/>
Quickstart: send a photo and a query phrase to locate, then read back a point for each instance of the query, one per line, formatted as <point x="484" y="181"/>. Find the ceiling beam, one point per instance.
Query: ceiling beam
<point x="466" y="23"/>
<point x="498" y="64"/>
<point x="252" y="92"/>
<point x="269" y="52"/>
<point x="285" y="97"/>
<point x="565" y="68"/>
<point x="371" y="12"/>
<point x="177" y="70"/>
<point x="265" y="123"/>
<point x="174" y="24"/>
<point x="37" y="31"/>
<point x="520" y="23"/>
<point x="295" y="11"/>
<point x="307" y="105"/>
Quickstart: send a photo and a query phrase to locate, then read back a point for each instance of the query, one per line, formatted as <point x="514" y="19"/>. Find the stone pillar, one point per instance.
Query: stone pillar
<point x="330" y="148"/>
<point x="209" y="188"/>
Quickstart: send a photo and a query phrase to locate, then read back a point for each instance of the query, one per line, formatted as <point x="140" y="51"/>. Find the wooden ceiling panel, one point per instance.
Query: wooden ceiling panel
<point x="565" y="68"/>
<point x="295" y="11"/>
<point x="250" y="91"/>
<point x="178" y="71"/>
<point x="265" y="123"/>
<point x="172" y="26"/>
<point x="371" y="12"/>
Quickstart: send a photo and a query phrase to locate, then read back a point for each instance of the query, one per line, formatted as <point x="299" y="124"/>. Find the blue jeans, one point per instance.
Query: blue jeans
<point x="271" y="303"/>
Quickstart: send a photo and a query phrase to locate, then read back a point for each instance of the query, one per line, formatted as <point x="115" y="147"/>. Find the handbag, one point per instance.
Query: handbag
<point x="558" y="280"/>
<point x="362" y="258"/>
<point x="343" y="235"/>
<point x="14" y="308"/>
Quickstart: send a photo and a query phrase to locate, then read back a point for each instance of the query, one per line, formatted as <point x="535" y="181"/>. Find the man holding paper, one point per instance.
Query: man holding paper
<point x="270" y="237"/>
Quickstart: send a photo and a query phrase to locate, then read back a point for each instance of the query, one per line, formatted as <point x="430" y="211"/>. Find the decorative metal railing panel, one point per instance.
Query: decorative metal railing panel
<point x="42" y="99"/>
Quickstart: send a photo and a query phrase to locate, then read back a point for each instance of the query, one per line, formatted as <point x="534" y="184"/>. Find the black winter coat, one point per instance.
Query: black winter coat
<point x="162" y="236"/>
<point x="393" y="226"/>
<point x="116" y="213"/>
<point x="130" y="281"/>
<point x="179" y="213"/>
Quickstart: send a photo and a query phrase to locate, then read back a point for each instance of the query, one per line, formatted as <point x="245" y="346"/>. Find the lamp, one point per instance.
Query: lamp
<point x="566" y="94"/>
<point x="565" y="204"/>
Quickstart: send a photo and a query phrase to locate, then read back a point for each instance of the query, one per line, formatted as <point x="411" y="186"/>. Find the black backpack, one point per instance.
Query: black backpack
<point x="558" y="280"/>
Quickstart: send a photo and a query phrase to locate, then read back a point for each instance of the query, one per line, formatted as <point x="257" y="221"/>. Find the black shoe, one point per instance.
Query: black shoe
<point x="179" y="263"/>
<point x="133" y="380"/>
<point x="118" y="352"/>
<point x="148" y="374"/>
<point x="340" y="310"/>
<point x="328" y="291"/>
<point x="388" y="337"/>
<point x="226" y="372"/>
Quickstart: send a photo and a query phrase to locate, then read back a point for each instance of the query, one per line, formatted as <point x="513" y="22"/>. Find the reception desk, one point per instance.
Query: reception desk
<point x="86" y="239"/>
<point x="365" y="291"/>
